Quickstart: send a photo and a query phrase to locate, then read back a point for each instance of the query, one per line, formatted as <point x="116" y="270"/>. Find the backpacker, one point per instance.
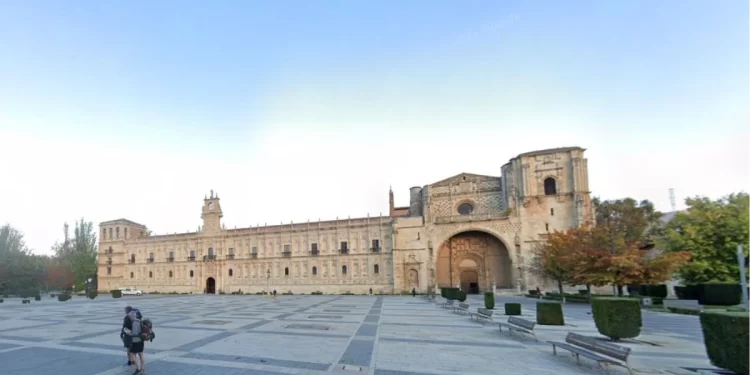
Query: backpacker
<point x="147" y="330"/>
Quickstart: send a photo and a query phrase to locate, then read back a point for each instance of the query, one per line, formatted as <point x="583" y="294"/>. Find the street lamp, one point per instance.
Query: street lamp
<point x="268" y="283"/>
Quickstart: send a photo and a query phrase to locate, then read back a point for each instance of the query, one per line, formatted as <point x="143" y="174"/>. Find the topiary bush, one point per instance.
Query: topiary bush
<point x="460" y="295"/>
<point x="116" y="293"/>
<point x="725" y="335"/>
<point x="92" y="294"/>
<point x="721" y="294"/>
<point x="489" y="300"/>
<point x="549" y="314"/>
<point x="63" y="297"/>
<point x="617" y="318"/>
<point x="37" y="298"/>
<point x="448" y="292"/>
<point x="512" y="309"/>
<point x="686" y="292"/>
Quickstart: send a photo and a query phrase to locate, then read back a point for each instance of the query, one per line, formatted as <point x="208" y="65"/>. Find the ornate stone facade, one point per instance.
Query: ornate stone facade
<point x="471" y="231"/>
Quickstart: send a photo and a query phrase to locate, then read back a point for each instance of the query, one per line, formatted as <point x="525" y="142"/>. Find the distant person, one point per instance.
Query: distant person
<point x="413" y="292"/>
<point x="136" y="346"/>
<point x="370" y="291"/>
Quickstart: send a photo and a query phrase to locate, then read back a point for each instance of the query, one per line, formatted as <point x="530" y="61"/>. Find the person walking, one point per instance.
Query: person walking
<point x="127" y="324"/>
<point x="136" y="347"/>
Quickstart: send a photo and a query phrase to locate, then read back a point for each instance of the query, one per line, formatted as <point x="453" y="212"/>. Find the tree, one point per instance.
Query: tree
<point x="79" y="253"/>
<point x="552" y="259"/>
<point x="710" y="230"/>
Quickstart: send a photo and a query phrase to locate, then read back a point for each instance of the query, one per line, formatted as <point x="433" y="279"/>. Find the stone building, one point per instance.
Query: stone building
<point x="472" y="231"/>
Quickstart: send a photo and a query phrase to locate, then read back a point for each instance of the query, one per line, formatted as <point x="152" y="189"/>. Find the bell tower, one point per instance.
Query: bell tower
<point x="211" y="213"/>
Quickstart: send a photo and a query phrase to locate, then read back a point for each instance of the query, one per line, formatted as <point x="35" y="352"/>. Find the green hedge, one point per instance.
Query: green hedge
<point x="683" y="311"/>
<point x="93" y="294"/>
<point x="726" y="338"/>
<point x="512" y="309"/>
<point x="659" y="291"/>
<point x="63" y="297"/>
<point x="447" y="292"/>
<point x="460" y="295"/>
<point x="686" y="292"/>
<point x="549" y="313"/>
<point x="489" y="300"/>
<point x="719" y="294"/>
<point x="116" y="293"/>
<point x="617" y="318"/>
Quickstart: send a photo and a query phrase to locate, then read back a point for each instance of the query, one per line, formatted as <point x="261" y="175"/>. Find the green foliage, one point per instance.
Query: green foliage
<point x="116" y="293"/>
<point x="549" y="313"/>
<point x="720" y="294"/>
<point x="92" y="294"/>
<point x="686" y="292"/>
<point x="512" y="309"/>
<point x="79" y="253"/>
<point x="683" y="311"/>
<point x="460" y="295"/>
<point x="489" y="300"/>
<point x="63" y="297"/>
<point x="448" y="292"/>
<point x="726" y="338"/>
<point x="710" y="230"/>
<point x="659" y="291"/>
<point x="617" y="318"/>
<point x="626" y="221"/>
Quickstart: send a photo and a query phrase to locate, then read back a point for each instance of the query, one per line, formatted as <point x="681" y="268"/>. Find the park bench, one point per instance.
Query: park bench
<point x="518" y="325"/>
<point x="591" y="348"/>
<point x="448" y="304"/>
<point x="461" y="308"/>
<point x="25" y="301"/>
<point x="482" y="315"/>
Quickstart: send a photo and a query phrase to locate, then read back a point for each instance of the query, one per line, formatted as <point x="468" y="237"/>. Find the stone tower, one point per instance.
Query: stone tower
<point x="211" y="214"/>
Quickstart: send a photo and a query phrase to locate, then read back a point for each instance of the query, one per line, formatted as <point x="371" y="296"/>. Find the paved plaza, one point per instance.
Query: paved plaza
<point x="380" y="335"/>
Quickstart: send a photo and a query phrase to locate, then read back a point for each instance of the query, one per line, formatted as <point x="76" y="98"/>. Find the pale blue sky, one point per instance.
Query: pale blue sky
<point x="294" y="110"/>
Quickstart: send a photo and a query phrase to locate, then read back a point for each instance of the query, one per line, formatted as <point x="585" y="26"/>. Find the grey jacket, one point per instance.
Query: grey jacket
<point x="135" y="333"/>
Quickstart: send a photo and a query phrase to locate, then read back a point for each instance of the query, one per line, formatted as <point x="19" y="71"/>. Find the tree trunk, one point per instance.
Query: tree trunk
<point x="619" y="291"/>
<point x="588" y="292"/>
<point x="560" y="288"/>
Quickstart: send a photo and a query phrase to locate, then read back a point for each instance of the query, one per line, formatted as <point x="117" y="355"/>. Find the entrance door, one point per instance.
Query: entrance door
<point x="211" y="286"/>
<point x="470" y="282"/>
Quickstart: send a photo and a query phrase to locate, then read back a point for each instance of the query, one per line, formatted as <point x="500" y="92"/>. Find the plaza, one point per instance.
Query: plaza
<point x="380" y="335"/>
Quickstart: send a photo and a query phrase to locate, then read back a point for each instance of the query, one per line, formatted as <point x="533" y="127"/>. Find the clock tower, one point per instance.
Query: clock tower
<point x="211" y="213"/>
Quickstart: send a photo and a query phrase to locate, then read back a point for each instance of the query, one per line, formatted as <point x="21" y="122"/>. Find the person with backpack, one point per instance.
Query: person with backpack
<point x="127" y="324"/>
<point x="136" y="335"/>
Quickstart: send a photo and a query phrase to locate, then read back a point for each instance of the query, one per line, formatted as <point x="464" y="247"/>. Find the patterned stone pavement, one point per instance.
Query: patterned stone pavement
<point x="375" y="335"/>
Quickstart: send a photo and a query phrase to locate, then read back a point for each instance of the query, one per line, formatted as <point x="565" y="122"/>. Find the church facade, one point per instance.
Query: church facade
<point x="472" y="231"/>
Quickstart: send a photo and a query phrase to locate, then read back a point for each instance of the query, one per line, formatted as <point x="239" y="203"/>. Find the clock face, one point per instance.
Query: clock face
<point x="211" y="206"/>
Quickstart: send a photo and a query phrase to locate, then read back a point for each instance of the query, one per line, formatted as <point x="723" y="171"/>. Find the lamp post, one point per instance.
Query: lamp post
<point x="743" y="280"/>
<point x="268" y="283"/>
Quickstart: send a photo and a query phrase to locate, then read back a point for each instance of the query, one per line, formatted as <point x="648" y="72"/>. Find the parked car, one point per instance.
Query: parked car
<point x="131" y="292"/>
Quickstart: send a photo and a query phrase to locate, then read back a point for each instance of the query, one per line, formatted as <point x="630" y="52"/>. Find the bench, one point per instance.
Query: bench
<point x="461" y="308"/>
<point x="482" y="315"/>
<point x="25" y="301"/>
<point x="591" y="348"/>
<point x="448" y="304"/>
<point x="518" y="325"/>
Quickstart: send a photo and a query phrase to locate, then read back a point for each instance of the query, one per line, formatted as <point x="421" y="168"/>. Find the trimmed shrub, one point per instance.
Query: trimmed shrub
<point x="533" y="292"/>
<point x="686" y="292"/>
<point x="683" y="311"/>
<point x="448" y="292"/>
<point x="726" y="338"/>
<point x="721" y="294"/>
<point x="617" y="318"/>
<point x="549" y="314"/>
<point x="460" y="295"/>
<point x="37" y="298"/>
<point x="1" y="300"/>
<point x="489" y="300"/>
<point x="92" y="294"/>
<point x="512" y="309"/>
<point x="63" y="297"/>
<point x="116" y="293"/>
<point x="656" y="291"/>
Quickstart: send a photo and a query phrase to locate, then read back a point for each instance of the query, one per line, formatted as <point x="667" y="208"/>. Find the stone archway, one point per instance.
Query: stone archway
<point x="474" y="255"/>
<point x="413" y="279"/>
<point x="211" y="285"/>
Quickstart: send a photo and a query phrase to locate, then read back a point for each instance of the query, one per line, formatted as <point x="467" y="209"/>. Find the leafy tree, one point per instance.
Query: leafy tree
<point x="710" y="230"/>
<point x="79" y="253"/>
<point x="552" y="259"/>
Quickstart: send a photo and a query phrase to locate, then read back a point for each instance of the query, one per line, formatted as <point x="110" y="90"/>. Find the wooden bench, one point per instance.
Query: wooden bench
<point x="462" y="308"/>
<point x="593" y="349"/>
<point x="25" y="301"/>
<point x="518" y="325"/>
<point x="482" y="315"/>
<point x="448" y="304"/>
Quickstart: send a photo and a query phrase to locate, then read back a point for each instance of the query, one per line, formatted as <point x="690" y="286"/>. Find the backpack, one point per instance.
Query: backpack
<point x="138" y="314"/>
<point x="147" y="330"/>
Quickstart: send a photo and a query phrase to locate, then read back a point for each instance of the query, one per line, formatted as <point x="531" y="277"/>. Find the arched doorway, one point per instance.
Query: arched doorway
<point x="413" y="279"/>
<point x="472" y="260"/>
<point x="210" y="285"/>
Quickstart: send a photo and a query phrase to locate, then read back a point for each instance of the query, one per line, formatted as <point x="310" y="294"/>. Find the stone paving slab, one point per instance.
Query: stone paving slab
<point x="374" y="335"/>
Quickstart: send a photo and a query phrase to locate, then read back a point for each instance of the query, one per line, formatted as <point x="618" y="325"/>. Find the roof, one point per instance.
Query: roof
<point x="460" y="176"/>
<point x="550" y="151"/>
<point x="121" y="221"/>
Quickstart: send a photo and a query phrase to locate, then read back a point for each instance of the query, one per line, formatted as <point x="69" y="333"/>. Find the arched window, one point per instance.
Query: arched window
<point x="131" y="275"/>
<point x="231" y="272"/>
<point x="132" y="258"/>
<point x="376" y="269"/>
<point x="191" y="273"/>
<point x="210" y="251"/>
<point x="286" y="271"/>
<point x="343" y="270"/>
<point x="315" y="271"/>
<point x="170" y="273"/>
<point x="150" y="274"/>
<point x="550" y="186"/>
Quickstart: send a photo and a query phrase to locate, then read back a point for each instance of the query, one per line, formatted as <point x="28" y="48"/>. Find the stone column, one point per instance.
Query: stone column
<point x="494" y="287"/>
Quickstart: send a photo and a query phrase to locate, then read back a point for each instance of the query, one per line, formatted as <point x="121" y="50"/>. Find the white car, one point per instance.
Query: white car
<point x="130" y="292"/>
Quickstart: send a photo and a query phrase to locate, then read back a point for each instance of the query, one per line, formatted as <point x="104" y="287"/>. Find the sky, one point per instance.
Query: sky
<point x="294" y="110"/>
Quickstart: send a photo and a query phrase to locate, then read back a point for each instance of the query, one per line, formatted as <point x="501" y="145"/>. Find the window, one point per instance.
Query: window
<point x="131" y="275"/>
<point x="465" y="209"/>
<point x="170" y="273"/>
<point x="376" y="269"/>
<point x="231" y="251"/>
<point x="126" y="233"/>
<point x="552" y="212"/>
<point x="344" y="247"/>
<point x="255" y="250"/>
<point x="117" y="232"/>
<point x="191" y="273"/>
<point x="109" y="270"/>
<point x="110" y="233"/>
<point x="104" y="233"/>
<point x="315" y="271"/>
<point x="210" y="251"/>
<point x="550" y="186"/>
<point x="343" y="270"/>
<point x="314" y="248"/>
<point x="150" y="274"/>
<point x="286" y="271"/>
<point x="230" y="272"/>
<point x="375" y="245"/>
<point x="287" y="248"/>
<point x="132" y="258"/>
<point x="171" y="255"/>
<point x="546" y="227"/>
